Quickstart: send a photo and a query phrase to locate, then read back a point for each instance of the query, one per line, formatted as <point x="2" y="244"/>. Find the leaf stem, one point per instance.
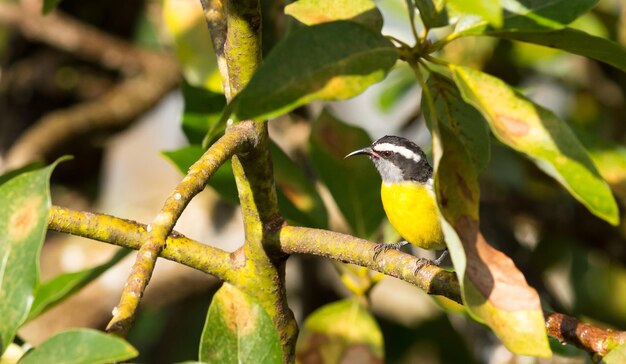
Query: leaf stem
<point x="411" y="13"/>
<point x="392" y="38"/>
<point x="442" y="42"/>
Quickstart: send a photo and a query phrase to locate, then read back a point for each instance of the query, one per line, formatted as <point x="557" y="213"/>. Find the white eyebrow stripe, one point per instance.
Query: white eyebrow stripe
<point x="403" y="151"/>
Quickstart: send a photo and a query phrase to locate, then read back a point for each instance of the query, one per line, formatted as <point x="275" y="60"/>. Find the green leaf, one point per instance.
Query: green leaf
<point x="433" y="12"/>
<point x="49" y="5"/>
<point x="531" y="15"/>
<point x="353" y="183"/>
<point x="539" y="134"/>
<point x="312" y="12"/>
<point x="80" y="346"/>
<point x="615" y="356"/>
<point x="338" y="332"/>
<point x="184" y="157"/>
<point x="64" y="285"/>
<point x="573" y="41"/>
<point x="203" y="110"/>
<point x="186" y="24"/>
<point x="329" y="61"/>
<point x="223" y="181"/>
<point x="460" y="117"/>
<point x="298" y="200"/>
<point x="489" y="10"/>
<point x="609" y="158"/>
<point x="237" y="329"/>
<point x="17" y="171"/>
<point x="24" y="205"/>
<point x="493" y="289"/>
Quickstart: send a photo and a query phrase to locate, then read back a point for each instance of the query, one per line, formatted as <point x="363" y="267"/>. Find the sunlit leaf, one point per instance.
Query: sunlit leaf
<point x="489" y="10"/>
<point x="529" y="15"/>
<point x="237" y="329"/>
<point x="8" y="175"/>
<point x="460" y="117"/>
<point x="615" y="356"/>
<point x="354" y="183"/>
<point x="80" y="346"/>
<point x="24" y="205"/>
<point x="539" y="134"/>
<point x="328" y="61"/>
<point x="493" y="289"/>
<point x="194" y="49"/>
<point x="609" y="158"/>
<point x="340" y="332"/>
<point x="312" y="12"/>
<point x="64" y="285"/>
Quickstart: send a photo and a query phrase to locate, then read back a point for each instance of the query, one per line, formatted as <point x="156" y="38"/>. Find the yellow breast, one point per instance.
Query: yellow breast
<point x="412" y="210"/>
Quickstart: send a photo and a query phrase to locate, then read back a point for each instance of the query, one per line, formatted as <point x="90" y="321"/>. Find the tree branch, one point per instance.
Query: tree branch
<point x="215" y="16"/>
<point x="74" y="37"/>
<point x="297" y="240"/>
<point x="237" y="139"/>
<point x="151" y="75"/>
<point x="593" y="339"/>
<point x="235" y="27"/>
<point x="348" y="249"/>
<point x="131" y="234"/>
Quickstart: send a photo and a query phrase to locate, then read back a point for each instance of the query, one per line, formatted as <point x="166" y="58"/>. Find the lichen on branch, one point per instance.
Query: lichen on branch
<point x="332" y="245"/>
<point x="237" y="139"/>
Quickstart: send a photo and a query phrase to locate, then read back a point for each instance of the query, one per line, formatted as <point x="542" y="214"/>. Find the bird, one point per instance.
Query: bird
<point x="407" y="195"/>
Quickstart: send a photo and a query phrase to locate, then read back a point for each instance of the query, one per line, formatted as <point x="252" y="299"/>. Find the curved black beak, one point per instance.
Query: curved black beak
<point x="366" y="151"/>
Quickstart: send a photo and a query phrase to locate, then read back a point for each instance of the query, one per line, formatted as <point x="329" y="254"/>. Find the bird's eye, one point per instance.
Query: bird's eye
<point x="387" y="154"/>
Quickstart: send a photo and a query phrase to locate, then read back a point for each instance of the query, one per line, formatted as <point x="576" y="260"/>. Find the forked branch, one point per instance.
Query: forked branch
<point x="296" y="240"/>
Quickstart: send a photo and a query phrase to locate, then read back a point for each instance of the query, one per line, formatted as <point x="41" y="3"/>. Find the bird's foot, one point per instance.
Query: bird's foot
<point x="421" y="262"/>
<point x="383" y="247"/>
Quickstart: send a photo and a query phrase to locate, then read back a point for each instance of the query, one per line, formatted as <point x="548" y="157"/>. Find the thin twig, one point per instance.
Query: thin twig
<point x="237" y="139"/>
<point x="411" y="13"/>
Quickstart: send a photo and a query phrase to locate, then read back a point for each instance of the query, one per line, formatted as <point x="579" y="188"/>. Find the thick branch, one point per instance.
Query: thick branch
<point x="235" y="27"/>
<point x="237" y="139"/>
<point x="593" y="339"/>
<point x="131" y="234"/>
<point x="296" y="240"/>
<point x="348" y="249"/>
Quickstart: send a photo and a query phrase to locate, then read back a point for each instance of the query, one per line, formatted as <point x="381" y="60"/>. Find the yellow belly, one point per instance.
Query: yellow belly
<point x="412" y="210"/>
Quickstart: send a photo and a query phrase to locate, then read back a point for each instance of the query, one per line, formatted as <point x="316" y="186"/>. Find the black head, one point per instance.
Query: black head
<point x="398" y="159"/>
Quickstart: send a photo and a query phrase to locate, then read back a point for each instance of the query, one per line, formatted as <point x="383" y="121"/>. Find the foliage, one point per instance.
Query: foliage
<point x="480" y="125"/>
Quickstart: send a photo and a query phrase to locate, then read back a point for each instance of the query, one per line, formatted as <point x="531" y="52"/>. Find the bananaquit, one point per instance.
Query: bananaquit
<point x="407" y="194"/>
